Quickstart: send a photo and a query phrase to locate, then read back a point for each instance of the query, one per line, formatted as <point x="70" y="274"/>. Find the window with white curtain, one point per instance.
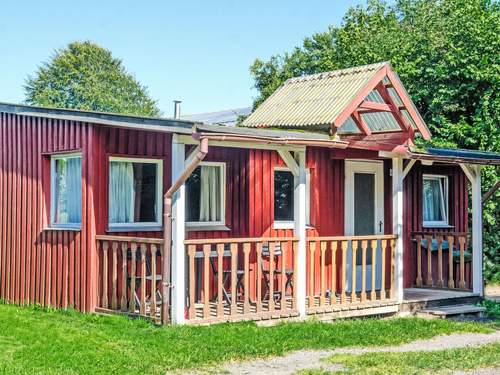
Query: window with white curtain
<point x="435" y="197"/>
<point x="135" y="194"/>
<point x="205" y="195"/>
<point x="66" y="191"/>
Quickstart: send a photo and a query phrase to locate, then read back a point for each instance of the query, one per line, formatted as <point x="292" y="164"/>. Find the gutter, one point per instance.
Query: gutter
<point x="266" y="140"/>
<point x="201" y="152"/>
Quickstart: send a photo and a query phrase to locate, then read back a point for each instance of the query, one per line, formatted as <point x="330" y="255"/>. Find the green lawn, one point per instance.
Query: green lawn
<point x="441" y="362"/>
<point x="44" y="341"/>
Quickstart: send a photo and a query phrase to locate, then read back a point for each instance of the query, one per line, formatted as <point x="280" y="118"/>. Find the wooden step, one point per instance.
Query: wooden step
<point x="451" y="311"/>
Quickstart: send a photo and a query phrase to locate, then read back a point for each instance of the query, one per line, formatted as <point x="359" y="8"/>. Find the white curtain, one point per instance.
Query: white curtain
<point x="121" y="192"/>
<point x="68" y="191"/>
<point x="210" y="194"/>
<point x="433" y="200"/>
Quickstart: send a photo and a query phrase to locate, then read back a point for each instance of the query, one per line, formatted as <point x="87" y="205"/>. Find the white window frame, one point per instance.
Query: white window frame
<point x="444" y="202"/>
<point x="290" y="224"/>
<point x="141" y="226"/>
<point x="53" y="160"/>
<point x="215" y="225"/>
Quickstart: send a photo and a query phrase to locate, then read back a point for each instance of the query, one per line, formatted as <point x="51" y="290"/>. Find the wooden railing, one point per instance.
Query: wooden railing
<point x="130" y="275"/>
<point x="335" y="267"/>
<point x="241" y="278"/>
<point x="441" y="260"/>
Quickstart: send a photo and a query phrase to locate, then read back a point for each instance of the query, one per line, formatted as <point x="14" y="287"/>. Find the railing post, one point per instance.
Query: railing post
<point x="300" y="232"/>
<point x="397" y="222"/>
<point x="178" y="234"/>
<point x="477" y="233"/>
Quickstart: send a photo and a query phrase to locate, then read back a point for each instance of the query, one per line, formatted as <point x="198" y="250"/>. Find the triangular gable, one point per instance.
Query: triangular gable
<point x="368" y="99"/>
<point x="404" y="113"/>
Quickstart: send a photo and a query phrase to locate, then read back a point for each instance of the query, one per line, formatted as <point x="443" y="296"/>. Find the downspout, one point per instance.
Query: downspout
<point x="201" y="152"/>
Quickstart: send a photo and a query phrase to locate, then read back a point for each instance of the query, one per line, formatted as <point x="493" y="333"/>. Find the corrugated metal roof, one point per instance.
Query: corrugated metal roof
<point x="314" y="100"/>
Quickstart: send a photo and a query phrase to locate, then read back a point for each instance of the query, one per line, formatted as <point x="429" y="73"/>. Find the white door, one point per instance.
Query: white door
<point x="364" y="215"/>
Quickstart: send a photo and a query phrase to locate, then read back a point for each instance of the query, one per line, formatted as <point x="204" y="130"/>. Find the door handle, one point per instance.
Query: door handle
<point x="380" y="223"/>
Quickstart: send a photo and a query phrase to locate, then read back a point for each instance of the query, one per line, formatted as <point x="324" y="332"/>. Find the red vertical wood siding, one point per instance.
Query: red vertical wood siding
<point x="413" y="213"/>
<point x="37" y="265"/>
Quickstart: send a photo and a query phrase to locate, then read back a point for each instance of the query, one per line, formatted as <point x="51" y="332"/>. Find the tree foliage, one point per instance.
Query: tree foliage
<point x="447" y="55"/>
<point x="86" y="76"/>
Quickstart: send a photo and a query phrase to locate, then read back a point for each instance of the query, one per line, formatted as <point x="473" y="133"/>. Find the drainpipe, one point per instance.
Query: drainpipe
<point x="201" y="152"/>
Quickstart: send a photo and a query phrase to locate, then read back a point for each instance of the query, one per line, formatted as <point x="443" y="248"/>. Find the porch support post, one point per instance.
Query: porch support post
<point x="477" y="232"/>
<point x="300" y="231"/>
<point x="397" y="223"/>
<point x="178" y="234"/>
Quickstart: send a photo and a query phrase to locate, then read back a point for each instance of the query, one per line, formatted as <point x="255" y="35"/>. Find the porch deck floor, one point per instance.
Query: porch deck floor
<point x="428" y="294"/>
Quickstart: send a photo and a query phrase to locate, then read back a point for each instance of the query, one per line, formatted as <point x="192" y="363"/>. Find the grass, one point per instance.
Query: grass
<point x="444" y="361"/>
<point x="492" y="308"/>
<point x="41" y="341"/>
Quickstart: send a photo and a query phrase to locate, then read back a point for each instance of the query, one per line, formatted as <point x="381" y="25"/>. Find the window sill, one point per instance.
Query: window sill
<point x="442" y="226"/>
<point x="288" y="225"/>
<point x="134" y="228"/>
<point x="206" y="227"/>
<point x="70" y="229"/>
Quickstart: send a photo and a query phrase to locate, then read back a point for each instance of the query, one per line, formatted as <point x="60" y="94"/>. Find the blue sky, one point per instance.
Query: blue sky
<point x="196" y="51"/>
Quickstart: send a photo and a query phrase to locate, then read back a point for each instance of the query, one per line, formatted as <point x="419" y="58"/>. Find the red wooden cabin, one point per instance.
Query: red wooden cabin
<point x="318" y="204"/>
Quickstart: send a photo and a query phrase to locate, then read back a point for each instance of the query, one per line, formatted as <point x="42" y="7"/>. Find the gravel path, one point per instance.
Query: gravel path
<point x="308" y="359"/>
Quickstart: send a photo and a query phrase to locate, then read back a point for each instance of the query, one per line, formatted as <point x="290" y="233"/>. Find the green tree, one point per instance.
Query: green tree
<point x="86" y="76"/>
<point x="447" y="55"/>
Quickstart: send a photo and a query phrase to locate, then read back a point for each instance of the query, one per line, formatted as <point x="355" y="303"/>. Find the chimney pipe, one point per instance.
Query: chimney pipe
<point x="177" y="109"/>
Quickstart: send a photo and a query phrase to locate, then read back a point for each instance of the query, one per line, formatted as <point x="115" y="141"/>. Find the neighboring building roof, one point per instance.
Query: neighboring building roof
<point x="329" y="99"/>
<point x="229" y="117"/>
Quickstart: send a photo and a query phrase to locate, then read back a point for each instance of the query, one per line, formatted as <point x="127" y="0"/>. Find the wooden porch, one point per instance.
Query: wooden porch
<point x="252" y="278"/>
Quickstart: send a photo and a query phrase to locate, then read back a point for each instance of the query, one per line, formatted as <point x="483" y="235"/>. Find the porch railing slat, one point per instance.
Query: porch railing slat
<point x="246" y="294"/>
<point x="354" y="247"/>
<point x="133" y="265"/>
<point x="429" y="260"/>
<point x="114" y="278"/>
<point x="364" y="245"/>
<point x="373" y="294"/>
<point x="383" y="292"/>
<point x="104" y="299"/>
<point x="440" y="282"/>
<point x="343" y="296"/>
<point x="271" y="275"/>
<point x="461" y="241"/>
<point x="142" y="308"/>
<point x="153" y="251"/>
<point x="312" y="250"/>
<point x="206" y="280"/>
<point x="234" y="277"/>
<point x="259" y="277"/>
<point x="123" y="301"/>
<point x="333" y="247"/>
<point x="418" y="282"/>
<point x="220" y="275"/>
<point x="451" y="282"/>
<point x="322" y="274"/>
<point x="284" y="249"/>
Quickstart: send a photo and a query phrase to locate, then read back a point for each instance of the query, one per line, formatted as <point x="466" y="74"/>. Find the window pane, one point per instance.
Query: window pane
<point x="364" y="204"/>
<point x="283" y="195"/>
<point x="193" y="196"/>
<point x="204" y="194"/>
<point x="132" y="192"/>
<point x="433" y="200"/>
<point x="67" y="191"/>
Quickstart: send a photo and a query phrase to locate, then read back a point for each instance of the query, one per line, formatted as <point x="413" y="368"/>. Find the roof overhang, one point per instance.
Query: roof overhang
<point x="448" y="156"/>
